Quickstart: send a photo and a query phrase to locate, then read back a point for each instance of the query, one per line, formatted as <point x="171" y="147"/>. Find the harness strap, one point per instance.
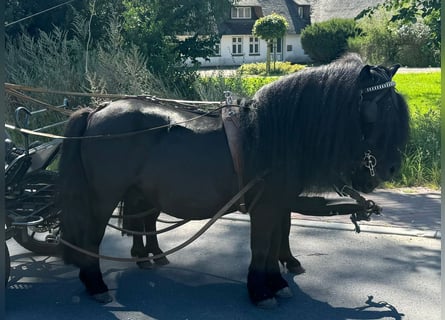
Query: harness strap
<point x="231" y="120"/>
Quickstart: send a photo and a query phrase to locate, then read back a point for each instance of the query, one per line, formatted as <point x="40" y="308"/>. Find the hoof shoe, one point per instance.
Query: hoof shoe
<point x="284" y="293"/>
<point x="267" y="304"/>
<point x="104" y="297"/>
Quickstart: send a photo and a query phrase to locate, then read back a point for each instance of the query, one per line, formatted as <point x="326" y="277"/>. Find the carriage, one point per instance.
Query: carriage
<point x="32" y="215"/>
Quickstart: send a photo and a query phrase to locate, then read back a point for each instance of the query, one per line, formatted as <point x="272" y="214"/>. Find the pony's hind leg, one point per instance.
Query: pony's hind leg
<point x="286" y="257"/>
<point x="152" y="244"/>
<point x="82" y="228"/>
<point x="94" y="229"/>
<point x="135" y="204"/>
<point x="91" y="277"/>
<point x="90" y="273"/>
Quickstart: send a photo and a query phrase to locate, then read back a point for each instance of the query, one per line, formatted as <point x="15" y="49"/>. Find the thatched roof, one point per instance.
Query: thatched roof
<point x="323" y="10"/>
<point x="286" y="8"/>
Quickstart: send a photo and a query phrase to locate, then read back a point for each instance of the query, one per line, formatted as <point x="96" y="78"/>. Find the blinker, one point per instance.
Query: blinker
<point x="369" y="108"/>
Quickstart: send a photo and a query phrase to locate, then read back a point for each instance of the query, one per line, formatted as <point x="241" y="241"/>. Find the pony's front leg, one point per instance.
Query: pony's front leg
<point x="264" y="280"/>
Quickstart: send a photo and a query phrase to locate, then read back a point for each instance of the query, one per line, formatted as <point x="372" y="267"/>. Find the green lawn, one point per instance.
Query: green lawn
<point x="422" y="90"/>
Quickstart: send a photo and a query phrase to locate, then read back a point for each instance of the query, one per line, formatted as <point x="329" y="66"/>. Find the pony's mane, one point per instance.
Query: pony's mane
<point x="306" y="126"/>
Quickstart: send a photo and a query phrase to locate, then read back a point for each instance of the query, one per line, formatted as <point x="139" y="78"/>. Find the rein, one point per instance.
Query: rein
<point x="111" y="136"/>
<point x="151" y="233"/>
<point x="187" y="104"/>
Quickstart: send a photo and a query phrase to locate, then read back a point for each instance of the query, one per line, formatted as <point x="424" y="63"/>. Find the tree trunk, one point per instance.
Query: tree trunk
<point x="269" y="47"/>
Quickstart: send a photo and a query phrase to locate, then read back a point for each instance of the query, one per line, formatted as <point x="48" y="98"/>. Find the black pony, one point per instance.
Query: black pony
<point x="343" y="123"/>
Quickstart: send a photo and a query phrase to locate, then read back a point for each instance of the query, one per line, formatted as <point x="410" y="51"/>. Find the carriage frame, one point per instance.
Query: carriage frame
<point x="32" y="214"/>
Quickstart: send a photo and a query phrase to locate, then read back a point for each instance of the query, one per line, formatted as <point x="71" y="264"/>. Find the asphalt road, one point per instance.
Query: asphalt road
<point x="348" y="276"/>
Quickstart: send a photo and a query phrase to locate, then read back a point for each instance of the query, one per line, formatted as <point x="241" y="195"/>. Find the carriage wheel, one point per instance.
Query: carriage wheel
<point x="7" y="265"/>
<point x="36" y="241"/>
<point x="34" y="238"/>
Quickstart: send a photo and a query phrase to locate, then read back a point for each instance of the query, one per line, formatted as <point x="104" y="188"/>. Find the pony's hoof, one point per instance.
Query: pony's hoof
<point x="145" y="264"/>
<point x="267" y="303"/>
<point x="284" y="293"/>
<point x="103" y="297"/>
<point x="295" y="269"/>
<point x="162" y="261"/>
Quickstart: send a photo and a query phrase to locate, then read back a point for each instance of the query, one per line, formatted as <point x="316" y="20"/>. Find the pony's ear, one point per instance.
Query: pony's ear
<point x="393" y="70"/>
<point x="365" y="73"/>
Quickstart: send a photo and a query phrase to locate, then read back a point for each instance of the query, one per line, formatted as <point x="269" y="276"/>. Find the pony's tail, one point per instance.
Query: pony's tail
<point x="73" y="189"/>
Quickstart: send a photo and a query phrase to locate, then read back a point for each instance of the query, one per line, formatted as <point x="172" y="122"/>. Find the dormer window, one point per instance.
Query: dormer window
<point x="304" y="12"/>
<point x="241" y="13"/>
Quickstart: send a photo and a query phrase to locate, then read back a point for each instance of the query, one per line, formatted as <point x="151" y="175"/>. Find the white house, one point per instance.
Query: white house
<point x="239" y="46"/>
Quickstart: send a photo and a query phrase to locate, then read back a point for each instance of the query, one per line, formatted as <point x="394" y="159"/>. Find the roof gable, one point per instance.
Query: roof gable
<point x="261" y="8"/>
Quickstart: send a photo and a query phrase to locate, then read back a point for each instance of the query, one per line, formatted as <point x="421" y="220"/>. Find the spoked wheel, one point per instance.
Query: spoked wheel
<point x="35" y="239"/>
<point x="39" y="194"/>
<point x="7" y="265"/>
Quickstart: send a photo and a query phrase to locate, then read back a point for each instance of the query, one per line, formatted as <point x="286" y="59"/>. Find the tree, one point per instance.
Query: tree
<point x="269" y="28"/>
<point x="171" y="32"/>
<point x="32" y="17"/>
<point x="412" y="13"/>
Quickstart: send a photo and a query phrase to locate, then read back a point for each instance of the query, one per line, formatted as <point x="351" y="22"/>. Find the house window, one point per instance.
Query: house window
<point x="241" y="13"/>
<point x="304" y="12"/>
<point x="301" y="12"/>
<point x="237" y="45"/>
<point x="254" y="45"/>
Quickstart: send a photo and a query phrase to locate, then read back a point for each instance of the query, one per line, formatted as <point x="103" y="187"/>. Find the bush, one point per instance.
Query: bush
<point x="259" y="68"/>
<point x="414" y="50"/>
<point x="328" y="40"/>
<point x="377" y="41"/>
<point x="212" y="88"/>
<point x="383" y="40"/>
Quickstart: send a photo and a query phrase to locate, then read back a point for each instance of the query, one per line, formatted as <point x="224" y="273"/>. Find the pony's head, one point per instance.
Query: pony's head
<point x="384" y="122"/>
